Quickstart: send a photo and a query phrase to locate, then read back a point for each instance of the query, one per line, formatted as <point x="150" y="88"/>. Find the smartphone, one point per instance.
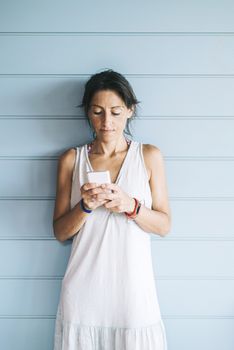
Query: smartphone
<point x="99" y="177"/>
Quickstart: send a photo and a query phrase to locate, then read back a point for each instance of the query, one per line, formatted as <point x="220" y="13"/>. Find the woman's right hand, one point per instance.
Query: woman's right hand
<point x="88" y="192"/>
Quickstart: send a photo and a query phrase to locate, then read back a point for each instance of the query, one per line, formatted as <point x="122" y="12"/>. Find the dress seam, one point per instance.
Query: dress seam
<point x="156" y="324"/>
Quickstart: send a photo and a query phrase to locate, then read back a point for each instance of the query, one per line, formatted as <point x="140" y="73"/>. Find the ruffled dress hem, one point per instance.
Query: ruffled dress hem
<point x="88" y="337"/>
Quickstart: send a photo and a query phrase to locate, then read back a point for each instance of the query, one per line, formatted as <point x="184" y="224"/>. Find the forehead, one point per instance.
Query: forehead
<point x="107" y="98"/>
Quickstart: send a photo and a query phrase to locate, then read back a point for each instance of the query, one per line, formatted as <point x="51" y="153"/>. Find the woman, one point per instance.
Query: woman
<point x="108" y="298"/>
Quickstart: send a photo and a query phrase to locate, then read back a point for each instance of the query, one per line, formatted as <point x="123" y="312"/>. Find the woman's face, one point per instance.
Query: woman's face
<point x="108" y="114"/>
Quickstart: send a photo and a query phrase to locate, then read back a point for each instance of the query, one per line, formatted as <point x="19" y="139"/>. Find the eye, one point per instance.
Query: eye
<point x="97" y="113"/>
<point x="116" y="112"/>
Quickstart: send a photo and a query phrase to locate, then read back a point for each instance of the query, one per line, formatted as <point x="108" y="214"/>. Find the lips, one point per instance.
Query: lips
<point x="106" y="130"/>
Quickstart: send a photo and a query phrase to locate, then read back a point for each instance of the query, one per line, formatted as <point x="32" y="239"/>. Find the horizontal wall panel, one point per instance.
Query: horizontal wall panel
<point x="202" y="218"/>
<point x="38" y="334"/>
<point x="195" y="334"/>
<point x="29" y="334"/>
<point x="197" y="178"/>
<point x="28" y="177"/>
<point x="76" y="54"/>
<point x="195" y="258"/>
<point x="29" y="297"/>
<point x="169" y="258"/>
<point x="34" y="258"/>
<point x="187" y="137"/>
<point x="196" y="298"/>
<point x="200" y="178"/>
<point x="33" y="218"/>
<point x="176" y="298"/>
<point x="162" y="15"/>
<point x="41" y="95"/>
<point x="159" y="96"/>
<point x="44" y="137"/>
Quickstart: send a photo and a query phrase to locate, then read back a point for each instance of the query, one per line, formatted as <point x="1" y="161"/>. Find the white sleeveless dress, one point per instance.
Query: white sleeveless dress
<point x="108" y="299"/>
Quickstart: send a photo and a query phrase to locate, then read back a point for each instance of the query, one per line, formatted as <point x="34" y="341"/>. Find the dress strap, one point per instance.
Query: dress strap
<point x="76" y="162"/>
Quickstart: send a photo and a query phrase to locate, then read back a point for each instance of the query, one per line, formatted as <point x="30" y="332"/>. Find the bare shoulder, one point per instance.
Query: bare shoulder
<point x="67" y="159"/>
<point x="152" y="156"/>
<point x="151" y="150"/>
<point x="63" y="187"/>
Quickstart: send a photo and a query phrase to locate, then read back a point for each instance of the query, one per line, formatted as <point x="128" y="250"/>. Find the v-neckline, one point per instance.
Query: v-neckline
<point x="122" y="166"/>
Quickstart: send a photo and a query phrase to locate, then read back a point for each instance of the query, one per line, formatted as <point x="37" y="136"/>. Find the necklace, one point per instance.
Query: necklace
<point x="90" y="145"/>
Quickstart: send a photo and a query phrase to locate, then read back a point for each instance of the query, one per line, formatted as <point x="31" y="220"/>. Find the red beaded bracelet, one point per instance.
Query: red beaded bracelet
<point x="135" y="212"/>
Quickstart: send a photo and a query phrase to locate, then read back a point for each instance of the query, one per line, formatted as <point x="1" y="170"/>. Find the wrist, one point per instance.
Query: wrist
<point x="84" y="207"/>
<point x="134" y="213"/>
<point x="131" y="206"/>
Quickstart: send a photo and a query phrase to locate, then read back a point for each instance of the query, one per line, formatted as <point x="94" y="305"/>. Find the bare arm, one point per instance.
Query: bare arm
<point x="66" y="222"/>
<point x="158" y="219"/>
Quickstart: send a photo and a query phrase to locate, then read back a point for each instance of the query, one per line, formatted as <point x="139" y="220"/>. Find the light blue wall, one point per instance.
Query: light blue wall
<point x="178" y="56"/>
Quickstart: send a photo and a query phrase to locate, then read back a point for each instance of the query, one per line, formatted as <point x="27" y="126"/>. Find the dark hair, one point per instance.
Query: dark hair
<point x="110" y="80"/>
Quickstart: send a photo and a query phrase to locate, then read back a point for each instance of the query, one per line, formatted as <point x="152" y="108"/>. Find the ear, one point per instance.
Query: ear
<point x="130" y="112"/>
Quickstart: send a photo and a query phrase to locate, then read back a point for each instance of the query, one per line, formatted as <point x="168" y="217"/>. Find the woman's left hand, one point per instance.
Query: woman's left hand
<point x="119" y="201"/>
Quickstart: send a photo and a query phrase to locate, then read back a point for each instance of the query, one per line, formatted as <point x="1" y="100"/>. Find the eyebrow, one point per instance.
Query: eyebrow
<point x="102" y="107"/>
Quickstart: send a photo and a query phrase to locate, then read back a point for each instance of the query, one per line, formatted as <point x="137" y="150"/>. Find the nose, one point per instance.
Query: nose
<point x="107" y="118"/>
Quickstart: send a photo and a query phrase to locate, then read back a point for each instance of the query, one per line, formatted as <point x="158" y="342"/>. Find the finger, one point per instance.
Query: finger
<point x="108" y="196"/>
<point x="112" y="204"/>
<point x="90" y="185"/>
<point x="101" y="192"/>
<point x="103" y="202"/>
<point x="111" y="186"/>
<point x="97" y="190"/>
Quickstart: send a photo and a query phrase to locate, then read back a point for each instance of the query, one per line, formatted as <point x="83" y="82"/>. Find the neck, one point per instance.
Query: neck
<point x="109" y="148"/>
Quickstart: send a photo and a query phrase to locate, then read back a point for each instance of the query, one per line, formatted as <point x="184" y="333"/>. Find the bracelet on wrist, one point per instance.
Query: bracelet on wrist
<point x="86" y="210"/>
<point x="136" y="210"/>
